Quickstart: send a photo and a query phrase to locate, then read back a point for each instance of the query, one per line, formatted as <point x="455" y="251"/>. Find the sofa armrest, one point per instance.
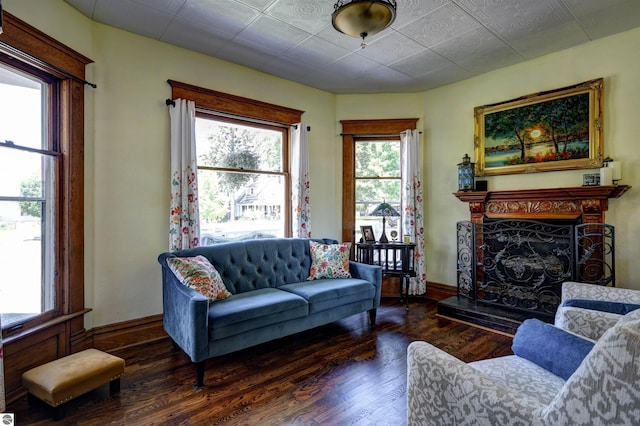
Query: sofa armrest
<point x="371" y="273"/>
<point x="185" y="316"/>
<point x="441" y="390"/>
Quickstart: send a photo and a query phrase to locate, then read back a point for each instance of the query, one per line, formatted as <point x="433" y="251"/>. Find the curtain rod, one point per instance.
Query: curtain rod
<point x="171" y="102"/>
<point x="19" y="54"/>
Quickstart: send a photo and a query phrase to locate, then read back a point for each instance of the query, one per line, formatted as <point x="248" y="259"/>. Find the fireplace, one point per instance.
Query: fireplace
<point x="520" y="246"/>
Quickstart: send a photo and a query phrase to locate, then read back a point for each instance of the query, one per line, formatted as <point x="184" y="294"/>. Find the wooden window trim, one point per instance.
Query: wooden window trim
<point x="25" y="348"/>
<point x="351" y="130"/>
<point x="236" y="105"/>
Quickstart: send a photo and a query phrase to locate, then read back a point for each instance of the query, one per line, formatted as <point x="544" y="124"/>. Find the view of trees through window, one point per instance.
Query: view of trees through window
<point x="378" y="179"/>
<point x="27" y="188"/>
<point x="241" y="180"/>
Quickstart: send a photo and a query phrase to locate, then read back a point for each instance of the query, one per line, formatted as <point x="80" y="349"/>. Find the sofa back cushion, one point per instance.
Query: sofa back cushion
<point x="254" y="264"/>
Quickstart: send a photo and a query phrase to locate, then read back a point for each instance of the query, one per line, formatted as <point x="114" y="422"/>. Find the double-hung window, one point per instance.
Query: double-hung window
<point x="371" y="174"/>
<point x="378" y="179"/>
<point x="243" y="179"/>
<point x="242" y="148"/>
<point x="29" y="188"/>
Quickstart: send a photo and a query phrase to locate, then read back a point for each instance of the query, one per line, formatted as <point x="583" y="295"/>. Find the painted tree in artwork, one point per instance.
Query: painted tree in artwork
<point x="510" y="126"/>
<point x="567" y="119"/>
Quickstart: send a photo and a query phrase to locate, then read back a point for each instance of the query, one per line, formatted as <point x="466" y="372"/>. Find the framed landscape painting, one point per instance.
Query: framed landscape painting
<point x="554" y="130"/>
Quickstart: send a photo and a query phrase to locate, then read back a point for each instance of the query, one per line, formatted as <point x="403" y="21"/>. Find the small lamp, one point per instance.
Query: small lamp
<point x="385" y="210"/>
<point x="466" y="174"/>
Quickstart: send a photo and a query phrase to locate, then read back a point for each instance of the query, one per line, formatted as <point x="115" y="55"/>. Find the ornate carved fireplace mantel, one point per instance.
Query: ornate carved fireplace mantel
<point x="501" y="282"/>
<point x="587" y="203"/>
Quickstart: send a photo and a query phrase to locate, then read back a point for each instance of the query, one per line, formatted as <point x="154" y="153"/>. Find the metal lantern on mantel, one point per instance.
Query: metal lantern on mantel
<point x="466" y="174"/>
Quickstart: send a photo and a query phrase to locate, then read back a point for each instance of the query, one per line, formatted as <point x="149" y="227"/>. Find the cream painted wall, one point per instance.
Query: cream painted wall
<point x="127" y="150"/>
<point x="127" y="145"/>
<point x="448" y="113"/>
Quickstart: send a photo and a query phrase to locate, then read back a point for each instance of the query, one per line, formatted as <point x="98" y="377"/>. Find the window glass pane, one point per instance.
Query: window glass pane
<point x="378" y="159"/>
<point x="21" y="109"/>
<point x="27" y="206"/>
<point x="26" y="277"/>
<point x="239" y="206"/>
<point x="20" y="173"/>
<point x="369" y="194"/>
<point x="234" y="146"/>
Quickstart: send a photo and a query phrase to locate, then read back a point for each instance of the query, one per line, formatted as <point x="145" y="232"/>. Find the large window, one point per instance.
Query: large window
<point x="29" y="168"/>
<point x="378" y="179"/>
<point x="242" y="179"/>
<point x="242" y="146"/>
<point x="371" y="174"/>
<point x="41" y="195"/>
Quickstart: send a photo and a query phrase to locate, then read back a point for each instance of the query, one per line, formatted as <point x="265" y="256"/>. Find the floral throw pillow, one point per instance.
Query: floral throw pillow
<point x="199" y="274"/>
<point x="329" y="260"/>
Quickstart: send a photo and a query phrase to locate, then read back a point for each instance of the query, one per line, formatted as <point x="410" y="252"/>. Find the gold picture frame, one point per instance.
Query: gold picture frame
<point x="559" y="129"/>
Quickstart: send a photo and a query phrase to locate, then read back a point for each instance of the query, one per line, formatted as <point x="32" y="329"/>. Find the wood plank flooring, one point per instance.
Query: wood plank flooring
<point x="344" y="373"/>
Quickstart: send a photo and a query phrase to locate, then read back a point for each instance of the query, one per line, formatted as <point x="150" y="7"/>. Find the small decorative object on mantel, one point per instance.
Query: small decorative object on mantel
<point x="466" y="174"/>
<point x="591" y="179"/>
<point x="614" y="169"/>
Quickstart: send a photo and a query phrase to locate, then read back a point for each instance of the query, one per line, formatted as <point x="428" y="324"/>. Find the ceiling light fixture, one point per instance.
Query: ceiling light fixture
<point x="362" y="18"/>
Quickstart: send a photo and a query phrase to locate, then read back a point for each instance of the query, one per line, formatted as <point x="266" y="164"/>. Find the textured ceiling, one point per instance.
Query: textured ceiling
<point x="430" y="44"/>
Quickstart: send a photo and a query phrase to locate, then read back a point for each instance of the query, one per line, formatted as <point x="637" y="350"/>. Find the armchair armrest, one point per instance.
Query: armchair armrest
<point x="441" y="389"/>
<point x="589" y="323"/>
<point x="575" y="290"/>
<point x="185" y="316"/>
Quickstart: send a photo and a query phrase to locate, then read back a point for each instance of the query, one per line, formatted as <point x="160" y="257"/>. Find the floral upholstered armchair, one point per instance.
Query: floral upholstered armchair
<point x="555" y="377"/>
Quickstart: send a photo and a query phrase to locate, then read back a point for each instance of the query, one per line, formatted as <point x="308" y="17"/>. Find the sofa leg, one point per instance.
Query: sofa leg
<point x="174" y="345"/>
<point x="372" y="317"/>
<point x="199" y="375"/>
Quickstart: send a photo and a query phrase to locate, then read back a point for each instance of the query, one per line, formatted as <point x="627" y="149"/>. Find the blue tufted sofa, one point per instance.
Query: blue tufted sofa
<point x="271" y="297"/>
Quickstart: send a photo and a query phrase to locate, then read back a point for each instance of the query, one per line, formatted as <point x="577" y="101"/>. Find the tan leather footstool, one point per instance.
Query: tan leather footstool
<point x="59" y="381"/>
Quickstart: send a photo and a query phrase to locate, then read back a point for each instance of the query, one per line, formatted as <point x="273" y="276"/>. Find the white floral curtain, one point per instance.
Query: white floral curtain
<point x="300" y="204"/>
<point x="184" y="226"/>
<point x="412" y="214"/>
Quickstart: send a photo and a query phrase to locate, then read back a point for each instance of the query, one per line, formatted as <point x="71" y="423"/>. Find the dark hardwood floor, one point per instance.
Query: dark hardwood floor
<point x="343" y="373"/>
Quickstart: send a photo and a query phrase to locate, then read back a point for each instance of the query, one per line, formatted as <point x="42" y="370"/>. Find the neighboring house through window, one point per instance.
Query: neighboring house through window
<point x="242" y="179"/>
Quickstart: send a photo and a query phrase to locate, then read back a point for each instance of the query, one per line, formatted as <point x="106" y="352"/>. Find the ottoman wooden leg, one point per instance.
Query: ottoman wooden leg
<point x="32" y="400"/>
<point x="114" y="386"/>
<point x="58" y="412"/>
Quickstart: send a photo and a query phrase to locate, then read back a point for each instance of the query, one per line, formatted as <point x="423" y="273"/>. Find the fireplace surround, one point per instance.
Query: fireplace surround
<point x="520" y="245"/>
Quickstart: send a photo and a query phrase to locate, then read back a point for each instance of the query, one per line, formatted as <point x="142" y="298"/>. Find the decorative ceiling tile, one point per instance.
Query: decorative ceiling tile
<point x="271" y="35"/>
<point x="553" y="39"/>
<point x="440" y="25"/>
<point x="421" y="63"/>
<point x="600" y="18"/>
<point x="410" y="10"/>
<point x="167" y="6"/>
<point x="316" y="52"/>
<point x="139" y="18"/>
<point x="478" y="45"/>
<point x="226" y="16"/>
<point x="261" y="5"/>
<point x="486" y="11"/>
<point x="307" y="15"/>
<point x="390" y="48"/>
